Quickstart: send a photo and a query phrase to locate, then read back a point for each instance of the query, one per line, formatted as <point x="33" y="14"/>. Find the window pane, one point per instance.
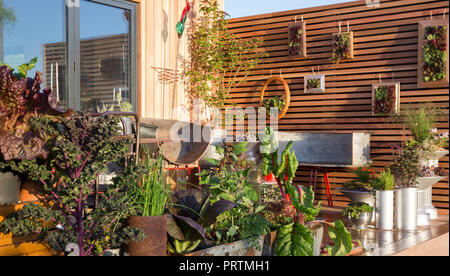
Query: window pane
<point x="105" y="57"/>
<point x="31" y="29"/>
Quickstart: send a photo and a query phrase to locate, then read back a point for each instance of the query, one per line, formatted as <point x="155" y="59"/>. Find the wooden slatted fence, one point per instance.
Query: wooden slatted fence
<point x="385" y="46"/>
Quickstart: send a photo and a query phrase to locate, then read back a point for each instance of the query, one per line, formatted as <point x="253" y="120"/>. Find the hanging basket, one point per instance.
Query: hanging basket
<point x="287" y="94"/>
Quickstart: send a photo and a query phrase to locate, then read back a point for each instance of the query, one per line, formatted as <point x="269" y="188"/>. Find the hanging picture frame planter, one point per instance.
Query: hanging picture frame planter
<point x="276" y="101"/>
<point x="385" y="99"/>
<point x="433" y="63"/>
<point x="342" y="47"/>
<point x="297" y="40"/>
<point x="314" y="84"/>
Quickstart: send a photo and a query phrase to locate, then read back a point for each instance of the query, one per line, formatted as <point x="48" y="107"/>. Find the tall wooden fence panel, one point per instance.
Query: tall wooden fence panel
<point x="385" y="46"/>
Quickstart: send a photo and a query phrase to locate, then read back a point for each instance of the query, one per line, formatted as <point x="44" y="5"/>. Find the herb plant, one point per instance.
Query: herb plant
<point x="216" y="55"/>
<point x="363" y="181"/>
<point x="341" y="47"/>
<point x="384" y="182"/>
<point x="407" y="165"/>
<point x="148" y="196"/>
<point x="357" y="208"/>
<point x="384" y="100"/>
<point x="435" y="53"/>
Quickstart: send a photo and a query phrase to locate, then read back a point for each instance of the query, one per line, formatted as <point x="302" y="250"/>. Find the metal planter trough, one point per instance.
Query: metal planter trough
<point x="235" y="249"/>
<point x="328" y="149"/>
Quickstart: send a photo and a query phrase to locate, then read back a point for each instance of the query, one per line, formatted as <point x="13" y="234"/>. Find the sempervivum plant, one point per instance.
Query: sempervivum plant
<point x="341" y="47"/>
<point x="435" y="53"/>
<point x="313" y="83"/>
<point x="20" y="100"/>
<point x="384" y="100"/>
<point x="296" y="40"/>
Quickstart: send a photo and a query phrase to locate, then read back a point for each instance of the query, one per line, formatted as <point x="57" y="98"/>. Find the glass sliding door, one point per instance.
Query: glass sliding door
<point x="105" y="57"/>
<point x="86" y="49"/>
<point x="37" y="28"/>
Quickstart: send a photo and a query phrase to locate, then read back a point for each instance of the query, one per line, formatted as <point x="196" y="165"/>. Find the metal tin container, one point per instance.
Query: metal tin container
<point x="362" y="221"/>
<point x="9" y="188"/>
<point x="384" y="210"/>
<point x="406" y="209"/>
<point x="155" y="243"/>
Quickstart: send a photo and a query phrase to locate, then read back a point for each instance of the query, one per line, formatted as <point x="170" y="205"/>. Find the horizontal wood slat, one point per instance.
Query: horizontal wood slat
<point x="385" y="46"/>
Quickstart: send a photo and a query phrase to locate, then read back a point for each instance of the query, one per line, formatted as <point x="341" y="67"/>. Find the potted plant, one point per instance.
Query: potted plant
<point x="433" y="63"/>
<point x="297" y="39"/>
<point x="315" y="84"/>
<point x="384" y="212"/>
<point x="276" y="102"/>
<point x="385" y="99"/>
<point x="359" y="214"/>
<point x="342" y="47"/>
<point x="21" y="145"/>
<point x="148" y="196"/>
<point x="81" y="147"/>
<point x="406" y="168"/>
<point x="361" y="188"/>
<point x="238" y="226"/>
<point x="430" y="147"/>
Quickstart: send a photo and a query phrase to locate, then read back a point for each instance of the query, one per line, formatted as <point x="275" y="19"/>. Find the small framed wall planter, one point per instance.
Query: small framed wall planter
<point x="433" y="65"/>
<point x="342" y="47"/>
<point x="386" y="99"/>
<point x="315" y="84"/>
<point x="297" y="40"/>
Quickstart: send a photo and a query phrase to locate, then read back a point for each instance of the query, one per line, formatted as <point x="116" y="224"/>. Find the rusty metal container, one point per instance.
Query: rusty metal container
<point x="241" y="248"/>
<point x="155" y="244"/>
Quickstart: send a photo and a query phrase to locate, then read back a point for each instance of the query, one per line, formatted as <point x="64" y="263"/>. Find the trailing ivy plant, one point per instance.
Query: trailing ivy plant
<point x="341" y="47"/>
<point x="81" y="148"/>
<point x="219" y="59"/>
<point x="384" y="100"/>
<point x="435" y="53"/>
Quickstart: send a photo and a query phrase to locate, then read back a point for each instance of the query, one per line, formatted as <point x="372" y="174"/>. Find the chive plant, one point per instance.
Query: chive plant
<point x="150" y="194"/>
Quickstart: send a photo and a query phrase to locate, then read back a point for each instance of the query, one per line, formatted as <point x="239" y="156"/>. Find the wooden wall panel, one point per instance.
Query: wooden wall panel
<point x="386" y="45"/>
<point x="160" y="46"/>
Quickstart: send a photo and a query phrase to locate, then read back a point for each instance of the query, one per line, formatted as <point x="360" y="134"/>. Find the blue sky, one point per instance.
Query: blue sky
<point x="239" y="8"/>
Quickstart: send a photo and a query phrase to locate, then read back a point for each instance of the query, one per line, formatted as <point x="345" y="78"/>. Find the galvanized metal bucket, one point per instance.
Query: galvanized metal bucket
<point x="384" y="210"/>
<point x="406" y="209"/>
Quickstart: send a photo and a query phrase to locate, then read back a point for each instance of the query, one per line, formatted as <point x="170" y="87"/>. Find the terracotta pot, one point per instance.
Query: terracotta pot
<point x="29" y="191"/>
<point x="155" y="244"/>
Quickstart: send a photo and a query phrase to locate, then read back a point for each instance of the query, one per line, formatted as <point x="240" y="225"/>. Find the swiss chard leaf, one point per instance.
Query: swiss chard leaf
<point x="341" y="238"/>
<point x="295" y="240"/>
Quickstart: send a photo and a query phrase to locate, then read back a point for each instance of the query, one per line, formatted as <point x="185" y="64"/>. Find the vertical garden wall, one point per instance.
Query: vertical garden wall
<point x="385" y="46"/>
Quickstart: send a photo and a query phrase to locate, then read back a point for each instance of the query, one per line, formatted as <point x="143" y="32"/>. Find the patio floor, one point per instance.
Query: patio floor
<point x="430" y="240"/>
